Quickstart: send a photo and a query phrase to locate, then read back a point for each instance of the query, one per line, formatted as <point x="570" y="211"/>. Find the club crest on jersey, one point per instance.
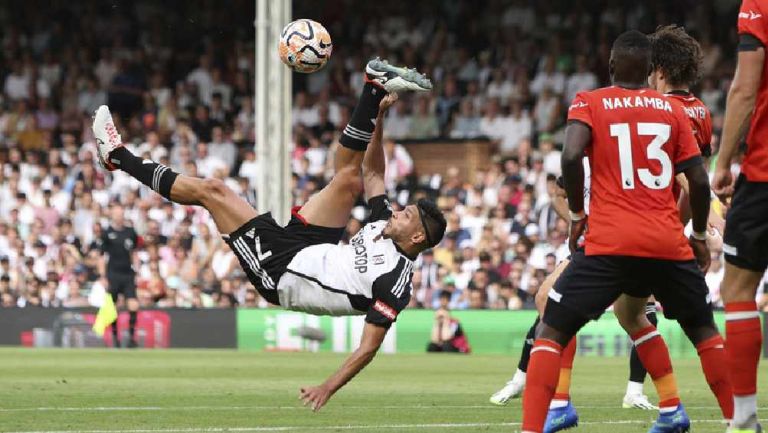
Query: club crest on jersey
<point x="378" y="259"/>
<point x="385" y="310"/>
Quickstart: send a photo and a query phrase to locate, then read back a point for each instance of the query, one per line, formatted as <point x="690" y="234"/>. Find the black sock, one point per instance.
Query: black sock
<point x="526" y="354"/>
<point x="132" y="323"/>
<point x="637" y="371"/>
<point x="359" y="130"/>
<point x="156" y="176"/>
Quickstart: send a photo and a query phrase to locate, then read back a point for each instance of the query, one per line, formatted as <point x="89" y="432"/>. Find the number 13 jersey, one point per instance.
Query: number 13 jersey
<point x="640" y="140"/>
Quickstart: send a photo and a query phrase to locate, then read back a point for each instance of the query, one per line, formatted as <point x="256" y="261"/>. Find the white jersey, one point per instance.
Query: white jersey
<point x="368" y="276"/>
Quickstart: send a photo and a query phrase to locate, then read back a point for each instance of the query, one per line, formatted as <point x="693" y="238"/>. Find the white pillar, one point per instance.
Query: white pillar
<point x="273" y="111"/>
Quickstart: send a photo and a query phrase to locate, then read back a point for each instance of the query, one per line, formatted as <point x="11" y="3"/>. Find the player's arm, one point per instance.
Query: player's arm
<point x="578" y="136"/>
<point x="317" y="396"/>
<point x="687" y="159"/>
<point x="715" y="220"/>
<point x="391" y="293"/>
<point x="560" y="201"/>
<point x="738" y="108"/>
<point x="374" y="163"/>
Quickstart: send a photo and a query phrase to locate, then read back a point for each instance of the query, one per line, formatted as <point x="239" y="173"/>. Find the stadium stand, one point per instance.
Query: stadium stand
<point x="505" y="70"/>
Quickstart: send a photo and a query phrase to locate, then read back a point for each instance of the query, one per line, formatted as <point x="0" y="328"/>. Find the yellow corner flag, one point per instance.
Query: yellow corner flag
<point x="106" y="315"/>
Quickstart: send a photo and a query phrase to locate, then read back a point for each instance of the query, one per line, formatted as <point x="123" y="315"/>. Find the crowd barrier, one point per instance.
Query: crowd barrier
<point x="489" y="332"/>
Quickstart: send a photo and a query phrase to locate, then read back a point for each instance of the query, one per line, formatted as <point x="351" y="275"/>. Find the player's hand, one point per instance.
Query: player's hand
<point x="315" y="396"/>
<point x="701" y="251"/>
<point x="387" y="102"/>
<point x="722" y="184"/>
<point x="577" y="230"/>
<point x="714" y="240"/>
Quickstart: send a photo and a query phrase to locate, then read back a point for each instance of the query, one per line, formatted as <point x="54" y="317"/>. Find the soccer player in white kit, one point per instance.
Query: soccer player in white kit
<point x="302" y="266"/>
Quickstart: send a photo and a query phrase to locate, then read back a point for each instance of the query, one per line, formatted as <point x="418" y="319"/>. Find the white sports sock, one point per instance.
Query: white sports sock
<point x="745" y="411"/>
<point x="558" y="403"/>
<point x="634" y="388"/>
<point x="519" y="376"/>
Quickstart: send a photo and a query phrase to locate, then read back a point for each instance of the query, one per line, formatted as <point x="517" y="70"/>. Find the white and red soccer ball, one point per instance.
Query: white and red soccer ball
<point x="305" y="46"/>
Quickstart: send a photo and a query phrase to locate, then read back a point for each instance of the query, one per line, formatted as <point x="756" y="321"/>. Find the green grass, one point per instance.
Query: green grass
<point x="198" y="391"/>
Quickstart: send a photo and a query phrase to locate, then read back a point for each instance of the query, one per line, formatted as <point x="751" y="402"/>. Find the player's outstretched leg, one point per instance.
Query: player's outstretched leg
<point x="229" y="211"/>
<point x="514" y="388"/>
<point x="332" y="205"/>
<point x="634" y="397"/>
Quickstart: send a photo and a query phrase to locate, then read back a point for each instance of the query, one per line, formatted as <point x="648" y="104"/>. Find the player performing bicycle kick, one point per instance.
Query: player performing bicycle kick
<point x="301" y="266"/>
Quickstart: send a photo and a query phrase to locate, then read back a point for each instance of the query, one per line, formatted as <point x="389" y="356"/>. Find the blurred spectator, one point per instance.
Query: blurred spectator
<point x="447" y="334"/>
<point x="190" y="106"/>
<point x="424" y="123"/>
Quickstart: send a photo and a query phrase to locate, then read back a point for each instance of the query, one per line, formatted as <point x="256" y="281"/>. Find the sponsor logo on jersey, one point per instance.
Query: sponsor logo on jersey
<point x="579" y="104"/>
<point x="750" y="16"/>
<point x="361" y="254"/>
<point x="385" y="310"/>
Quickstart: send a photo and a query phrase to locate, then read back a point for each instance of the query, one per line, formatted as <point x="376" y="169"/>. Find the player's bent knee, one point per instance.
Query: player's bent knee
<point x="698" y="327"/>
<point x="632" y="323"/>
<point x="350" y="179"/>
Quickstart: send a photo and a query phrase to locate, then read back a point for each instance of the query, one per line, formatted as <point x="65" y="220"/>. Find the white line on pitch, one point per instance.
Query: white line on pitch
<point x="187" y="408"/>
<point x="336" y="427"/>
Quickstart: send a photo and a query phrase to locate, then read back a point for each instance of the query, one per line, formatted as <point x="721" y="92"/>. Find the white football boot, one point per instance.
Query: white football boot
<point x="107" y="137"/>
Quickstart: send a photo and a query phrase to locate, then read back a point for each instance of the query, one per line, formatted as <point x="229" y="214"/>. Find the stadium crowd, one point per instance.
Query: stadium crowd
<point x="506" y="70"/>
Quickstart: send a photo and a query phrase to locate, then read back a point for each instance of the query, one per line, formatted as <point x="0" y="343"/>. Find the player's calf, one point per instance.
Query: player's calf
<point x="710" y="346"/>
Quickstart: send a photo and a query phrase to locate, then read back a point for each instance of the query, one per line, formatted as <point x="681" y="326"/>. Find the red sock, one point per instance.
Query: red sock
<point x="743" y="340"/>
<point x="654" y="355"/>
<point x="715" y="365"/>
<point x="541" y="380"/>
<point x="563" y="390"/>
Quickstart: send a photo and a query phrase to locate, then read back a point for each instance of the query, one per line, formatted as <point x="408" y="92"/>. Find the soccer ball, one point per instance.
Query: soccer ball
<point x="305" y="46"/>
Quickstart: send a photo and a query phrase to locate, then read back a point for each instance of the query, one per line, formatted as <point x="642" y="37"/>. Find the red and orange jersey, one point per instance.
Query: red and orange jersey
<point x="640" y="139"/>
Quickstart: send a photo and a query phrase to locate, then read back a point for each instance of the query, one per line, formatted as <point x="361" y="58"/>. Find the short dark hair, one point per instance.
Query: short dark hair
<point x="677" y="54"/>
<point x="445" y="294"/>
<point x="433" y="221"/>
<point x="632" y="42"/>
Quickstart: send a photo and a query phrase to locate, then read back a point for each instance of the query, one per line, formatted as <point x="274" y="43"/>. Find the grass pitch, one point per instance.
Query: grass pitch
<point x="202" y="391"/>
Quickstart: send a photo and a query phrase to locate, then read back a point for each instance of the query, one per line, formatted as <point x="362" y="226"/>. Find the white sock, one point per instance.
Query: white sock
<point x="745" y="411"/>
<point x="634" y="388"/>
<point x="554" y="404"/>
<point x="519" y="376"/>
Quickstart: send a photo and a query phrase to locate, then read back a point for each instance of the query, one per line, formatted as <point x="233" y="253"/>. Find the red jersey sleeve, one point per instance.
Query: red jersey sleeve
<point x="686" y="146"/>
<point x="706" y="133"/>
<point x="580" y="110"/>
<point x="752" y="20"/>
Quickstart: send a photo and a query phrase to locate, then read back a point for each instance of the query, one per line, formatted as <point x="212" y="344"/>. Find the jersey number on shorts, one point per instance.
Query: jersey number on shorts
<point x="259" y="254"/>
<point x="660" y="132"/>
